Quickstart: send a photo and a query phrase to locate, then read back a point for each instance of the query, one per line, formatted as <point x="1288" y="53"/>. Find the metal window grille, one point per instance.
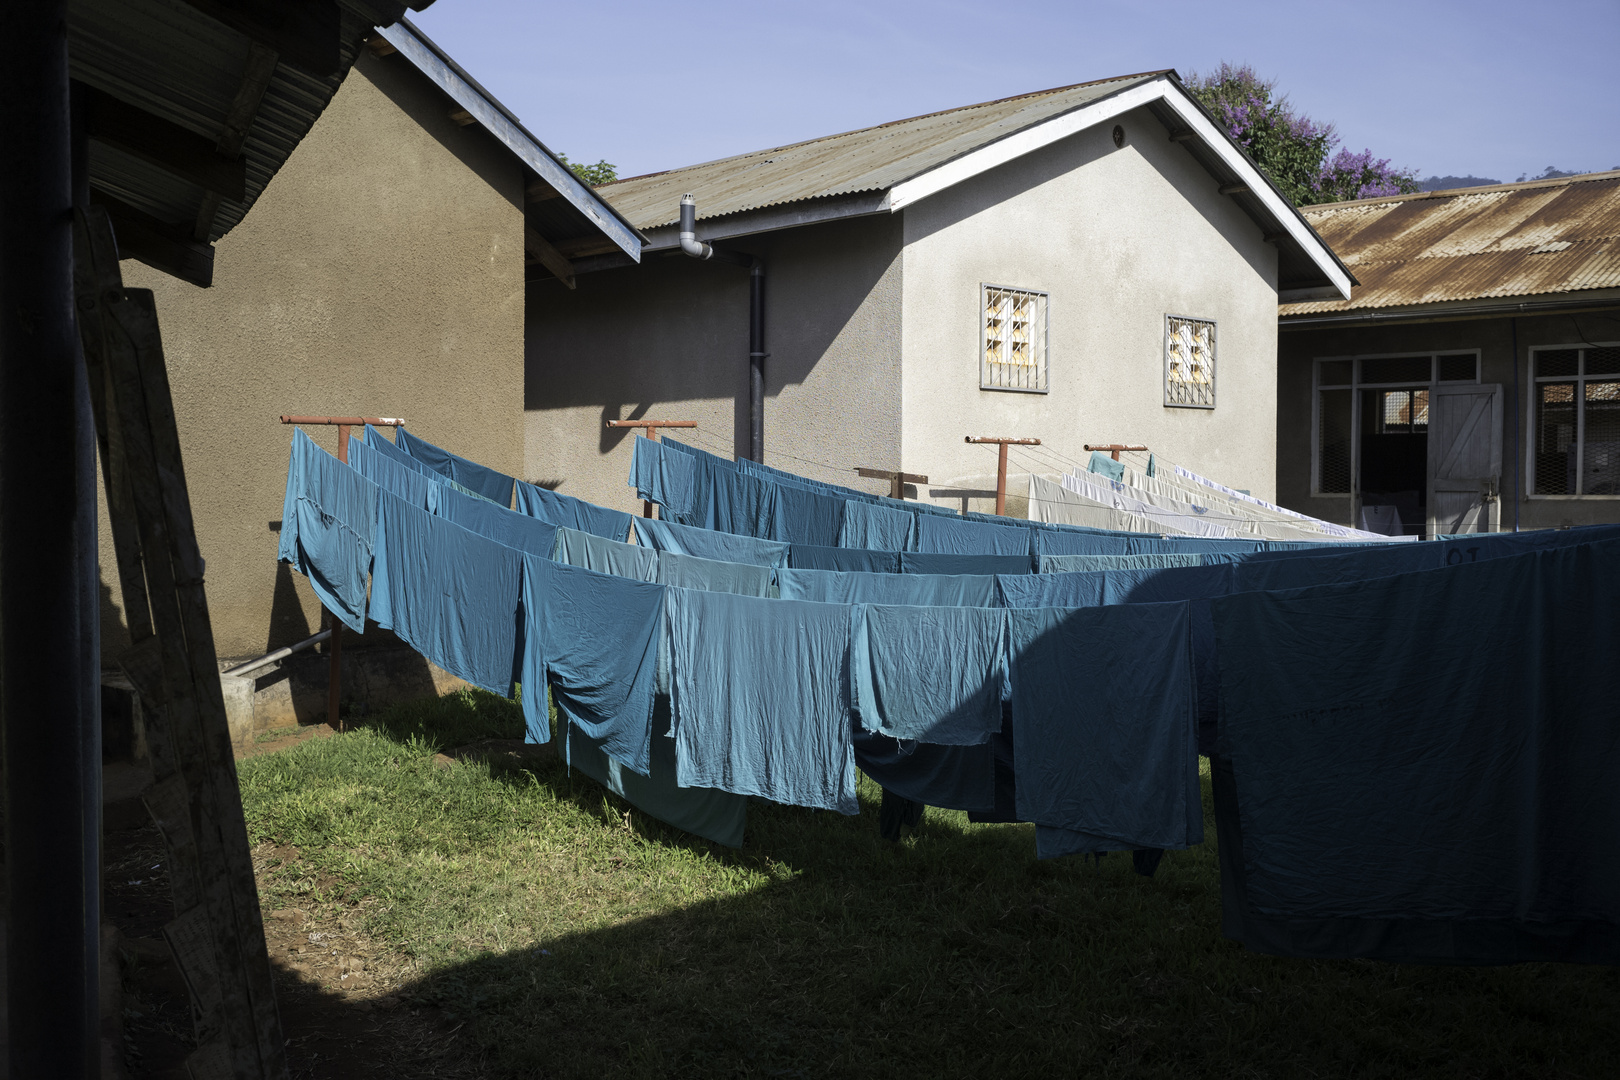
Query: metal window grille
<point x="1189" y="362"/>
<point x="1333" y="442"/>
<point x="1012" y="354"/>
<point x="1576" y="424"/>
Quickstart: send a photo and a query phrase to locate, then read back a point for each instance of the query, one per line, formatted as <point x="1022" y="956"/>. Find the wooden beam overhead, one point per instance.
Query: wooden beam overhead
<point x="540" y="191"/>
<point x="261" y="65"/>
<point x="164" y="143"/>
<point x="548" y="256"/>
<point x="1183" y="135"/>
<point x="380" y="46"/>
<point x="463" y="117"/>
<point x="157" y="243"/>
<point x="1234" y="189"/>
<point x="305" y="32"/>
<point x="585" y="245"/>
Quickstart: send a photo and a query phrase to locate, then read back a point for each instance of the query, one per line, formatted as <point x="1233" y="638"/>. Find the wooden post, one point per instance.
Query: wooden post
<point x="897" y="480"/>
<point x="1001" y="463"/>
<point x="334" y="644"/>
<point x="1114" y="448"/>
<point x="651" y="427"/>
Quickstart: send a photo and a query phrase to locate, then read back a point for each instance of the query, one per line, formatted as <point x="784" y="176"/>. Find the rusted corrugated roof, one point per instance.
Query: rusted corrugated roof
<point x="1545" y="236"/>
<point x="871" y="159"/>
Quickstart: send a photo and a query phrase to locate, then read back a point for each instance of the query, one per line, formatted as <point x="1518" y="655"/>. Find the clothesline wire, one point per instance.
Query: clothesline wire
<point x="720" y="451"/>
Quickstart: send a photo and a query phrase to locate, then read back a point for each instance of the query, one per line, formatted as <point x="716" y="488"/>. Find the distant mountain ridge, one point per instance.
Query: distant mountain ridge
<point x="1446" y="183"/>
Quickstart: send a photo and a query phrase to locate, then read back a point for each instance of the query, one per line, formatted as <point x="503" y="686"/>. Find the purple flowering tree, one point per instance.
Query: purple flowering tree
<point x="1302" y="157"/>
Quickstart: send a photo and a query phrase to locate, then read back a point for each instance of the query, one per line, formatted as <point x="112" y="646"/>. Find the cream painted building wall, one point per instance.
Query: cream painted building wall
<point x="873" y="334"/>
<point x="1118" y="237"/>
<point x="381" y="273"/>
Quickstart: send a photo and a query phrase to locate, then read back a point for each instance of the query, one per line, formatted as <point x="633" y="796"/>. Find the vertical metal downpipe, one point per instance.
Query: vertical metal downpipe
<point x="1518" y="449"/>
<point x="756" y="319"/>
<point x="48" y="589"/>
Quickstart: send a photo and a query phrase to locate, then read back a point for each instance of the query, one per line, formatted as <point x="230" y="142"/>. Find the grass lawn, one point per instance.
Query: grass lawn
<point x="577" y="937"/>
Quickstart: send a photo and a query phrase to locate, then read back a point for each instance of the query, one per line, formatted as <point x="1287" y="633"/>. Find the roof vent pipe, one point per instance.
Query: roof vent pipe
<point x="756" y="319"/>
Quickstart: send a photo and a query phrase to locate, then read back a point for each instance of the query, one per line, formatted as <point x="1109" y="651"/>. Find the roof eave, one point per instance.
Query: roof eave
<point x="1454" y="310"/>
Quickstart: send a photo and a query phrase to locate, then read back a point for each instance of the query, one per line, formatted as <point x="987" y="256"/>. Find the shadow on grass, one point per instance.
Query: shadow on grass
<point x="952" y="953"/>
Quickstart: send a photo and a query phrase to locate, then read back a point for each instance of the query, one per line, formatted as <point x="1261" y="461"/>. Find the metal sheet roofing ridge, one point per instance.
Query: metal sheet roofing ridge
<point x="434" y="63"/>
<point x="1451" y="193"/>
<point x="885" y="124"/>
<point x="1504" y="274"/>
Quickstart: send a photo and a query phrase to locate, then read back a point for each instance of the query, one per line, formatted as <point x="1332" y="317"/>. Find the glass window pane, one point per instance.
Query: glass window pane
<point x="1557" y="362"/>
<point x="1334" y="372"/>
<point x="1600" y="465"/>
<point x="1603" y="361"/>
<point x="1418" y="369"/>
<point x="1555" y="439"/>
<point x="1420" y="411"/>
<point x="1458" y="368"/>
<point x="1333" y="442"/>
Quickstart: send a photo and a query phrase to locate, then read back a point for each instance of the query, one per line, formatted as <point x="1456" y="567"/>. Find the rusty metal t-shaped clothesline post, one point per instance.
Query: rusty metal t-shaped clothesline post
<point x="1114" y="448"/>
<point x="334" y="644"/>
<point x="1001" y="463"/>
<point x="651" y="427"/>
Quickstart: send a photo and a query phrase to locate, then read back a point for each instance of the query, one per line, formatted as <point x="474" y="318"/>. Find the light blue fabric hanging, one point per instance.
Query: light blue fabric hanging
<point x="568" y="512"/>
<point x="761" y="698"/>
<point x="850" y="560"/>
<point x="877" y="527"/>
<point x="933" y="674"/>
<point x="1104" y="465"/>
<point x="708" y="544"/>
<point x="593" y="638"/>
<point x="710" y="575"/>
<point x="1069" y="564"/>
<point x="410" y="484"/>
<point x="926" y="590"/>
<point x="1103" y="727"/>
<point x="528" y="535"/>
<point x="1152" y="469"/>
<point x="328" y="524"/>
<point x="1422" y="767"/>
<point x="380" y="443"/>
<point x="480" y="479"/>
<point x="944" y="536"/>
<point x="714" y="815"/>
<point x="605" y="556"/>
<point x="450" y="594"/>
<point x="923" y="563"/>
<point x="806" y="517"/>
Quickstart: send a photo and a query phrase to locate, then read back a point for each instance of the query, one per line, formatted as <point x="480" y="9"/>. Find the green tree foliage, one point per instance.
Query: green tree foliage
<point x="602" y="172"/>
<point x="1302" y="157"/>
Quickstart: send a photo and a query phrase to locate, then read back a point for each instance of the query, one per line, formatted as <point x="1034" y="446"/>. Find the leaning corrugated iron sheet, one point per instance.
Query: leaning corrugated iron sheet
<point x="871" y="159"/>
<point x="1548" y="236"/>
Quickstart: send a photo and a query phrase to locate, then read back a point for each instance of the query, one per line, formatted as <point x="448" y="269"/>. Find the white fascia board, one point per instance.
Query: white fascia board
<point x="1070" y="123"/>
<point x="530" y="152"/>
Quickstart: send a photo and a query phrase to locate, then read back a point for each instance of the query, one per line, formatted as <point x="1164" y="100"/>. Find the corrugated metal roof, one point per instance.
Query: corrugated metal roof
<point x="1544" y="236"/>
<point x="871" y="159"/>
<point x="170" y="59"/>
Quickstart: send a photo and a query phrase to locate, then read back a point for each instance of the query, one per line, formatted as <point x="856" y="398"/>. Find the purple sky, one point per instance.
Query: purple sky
<point x="1447" y="87"/>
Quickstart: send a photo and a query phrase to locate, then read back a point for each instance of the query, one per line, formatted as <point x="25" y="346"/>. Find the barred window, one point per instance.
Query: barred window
<point x="1189" y="362"/>
<point x="1012" y="354"/>
<point x="1576" y="422"/>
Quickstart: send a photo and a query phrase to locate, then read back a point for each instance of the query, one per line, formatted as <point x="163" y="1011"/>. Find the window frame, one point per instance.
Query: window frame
<point x="1045" y="366"/>
<point x="1214" y="362"/>
<point x="1355" y="386"/>
<point x="1580" y="380"/>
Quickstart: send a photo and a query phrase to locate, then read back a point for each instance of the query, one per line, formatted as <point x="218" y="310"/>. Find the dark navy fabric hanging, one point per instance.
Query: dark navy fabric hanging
<point x="480" y="479"/>
<point x="807" y="517"/>
<point x="714" y="815"/>
<point x="328" y="523"/>
<point x="954" y="777"/>
<point x="761" y="698"/>
<point x="450" y="594"/>
<point x="932" y="674"/>
<point x="925" y="563"/>
<point x="708" y="544"/>
<point x="851" y="560"/>
<point x="593" y="638"/>
<point x="1422" y="767"/>
<point x="1104" y="727"/>
<point x="568" y="512"/>
<point x="925" y="590"/>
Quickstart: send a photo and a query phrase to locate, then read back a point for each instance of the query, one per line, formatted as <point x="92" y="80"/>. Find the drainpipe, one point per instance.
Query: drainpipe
<point x="1518" y="450"/>
<point x="756" y="319"/>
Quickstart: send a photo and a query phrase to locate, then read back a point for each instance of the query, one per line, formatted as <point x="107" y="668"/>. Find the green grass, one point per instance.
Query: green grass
<point x="578" y="937"/>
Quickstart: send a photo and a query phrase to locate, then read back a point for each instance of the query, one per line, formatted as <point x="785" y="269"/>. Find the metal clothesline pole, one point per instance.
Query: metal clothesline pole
<point x="897" y="480"/>
<point x="651" y="427"/>
<point x="1001" y="463"/>
<point x="334" y="651"/>
<point x="1114" y="448"/>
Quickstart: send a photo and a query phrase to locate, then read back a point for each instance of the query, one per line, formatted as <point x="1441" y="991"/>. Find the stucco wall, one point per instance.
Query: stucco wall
<point x="1118" y="237"/>
<point x="669" y="340"/>
<point x="381" y="273"/>
<point x="1494" y="338"/>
